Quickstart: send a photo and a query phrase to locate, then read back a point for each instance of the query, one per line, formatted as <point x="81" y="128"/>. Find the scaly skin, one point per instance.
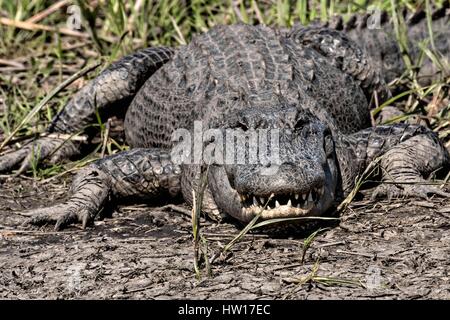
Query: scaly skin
<point x="382" y="46"/>
<point x="143" y="174"/>
<point x="313" y="84"/>
<point x="407" y="154"/>
<point x="108" y="93"/>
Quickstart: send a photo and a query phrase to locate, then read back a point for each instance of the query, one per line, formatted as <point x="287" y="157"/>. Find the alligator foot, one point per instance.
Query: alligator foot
<point x="136" y="174"/>
<point x="60" y="215"/>
<point x="90" y="190"/>
<point x="405" y="165"/>
<point x="52" y="148"/>
<point x="392" y="191"/>
<point x="406" y="155"/>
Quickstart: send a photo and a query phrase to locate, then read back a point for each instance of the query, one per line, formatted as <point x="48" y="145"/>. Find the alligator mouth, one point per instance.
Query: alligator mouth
<point x="281" y="205"/>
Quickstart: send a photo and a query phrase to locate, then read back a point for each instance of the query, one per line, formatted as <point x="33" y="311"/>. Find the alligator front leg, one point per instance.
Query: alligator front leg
<point x="136" y="174"/>
<point x="108" y="93"/>
<point x="407" y="154"/>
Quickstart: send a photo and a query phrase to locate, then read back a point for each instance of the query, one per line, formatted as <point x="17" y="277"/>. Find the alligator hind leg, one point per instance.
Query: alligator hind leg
<point x="405" y="166"/>
<point x="344" y="54"/>
<point x="406" y="154"/>
<point x="136" y="174"/>
<point x="116" y="84"/>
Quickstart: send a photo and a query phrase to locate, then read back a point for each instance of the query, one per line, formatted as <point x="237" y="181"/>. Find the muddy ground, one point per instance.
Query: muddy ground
<point x="380" y="250"/>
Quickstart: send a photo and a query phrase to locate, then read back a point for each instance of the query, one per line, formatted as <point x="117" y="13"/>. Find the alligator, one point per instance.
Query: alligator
<point x="311" y="85"/>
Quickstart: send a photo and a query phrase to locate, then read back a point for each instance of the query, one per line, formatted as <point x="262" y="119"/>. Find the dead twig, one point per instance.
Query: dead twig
<point x="177" y="209"/>
<point x="45" y="13"/>
<point x="40" y="27"/>
<point x="105" y="138"/>
<point x="12" y="63"/>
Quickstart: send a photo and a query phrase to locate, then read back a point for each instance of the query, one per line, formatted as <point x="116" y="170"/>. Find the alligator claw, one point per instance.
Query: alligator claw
<point x="392" y="191"/>
<point x="61" y="216"/>
<point x="35" y="152"/>
<point x="11" y="160"/>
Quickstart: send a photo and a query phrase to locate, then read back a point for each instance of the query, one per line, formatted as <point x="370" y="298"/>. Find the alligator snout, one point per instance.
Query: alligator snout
<point x="288" y="180"/>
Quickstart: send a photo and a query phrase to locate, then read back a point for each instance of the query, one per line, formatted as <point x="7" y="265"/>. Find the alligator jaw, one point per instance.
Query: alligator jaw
<point x="282" y="206"/>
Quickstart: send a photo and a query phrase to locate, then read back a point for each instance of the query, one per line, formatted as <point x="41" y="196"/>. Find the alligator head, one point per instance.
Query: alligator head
<point x="294" y="173"/>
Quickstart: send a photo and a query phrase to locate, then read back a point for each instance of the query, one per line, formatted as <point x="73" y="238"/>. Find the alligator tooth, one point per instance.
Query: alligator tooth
<point x="304" y="195"/>
<point x="268" y="208"/>
<point x="296" y="197"/>
<point x="255" y="202"/>
<point x="272" y="195"/>
<point x="277" y="204"/>
<point x="263" y="201"/>
<point x="298" y="206"/>
<point x="289" y="204"/>
<point x="321" y="190"/>
<point x="310" y="198"/>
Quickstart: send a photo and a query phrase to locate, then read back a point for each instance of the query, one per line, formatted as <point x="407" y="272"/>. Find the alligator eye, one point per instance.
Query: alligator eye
<point x="301" y="123"/>
<point x="329" y="145"/>
<point x="242" y="126"/>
